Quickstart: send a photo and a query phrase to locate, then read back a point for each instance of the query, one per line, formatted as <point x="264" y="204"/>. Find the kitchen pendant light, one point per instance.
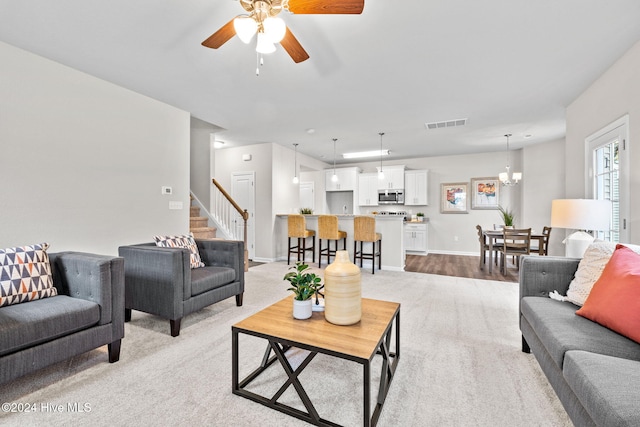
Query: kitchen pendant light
<point x="334" y="178"/>
<point x="380" y="173"/>
<point x="295" y="164"/>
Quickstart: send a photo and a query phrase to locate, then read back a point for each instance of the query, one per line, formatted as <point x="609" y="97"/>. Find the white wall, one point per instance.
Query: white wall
<point x="83" y="161"/>
<point x="200" y="160"/>
<point x="614" y="94"/>
<point x="545" y="176"/>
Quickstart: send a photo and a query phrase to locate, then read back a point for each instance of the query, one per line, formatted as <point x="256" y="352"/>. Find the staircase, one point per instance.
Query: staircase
<point x="199" y="225"/>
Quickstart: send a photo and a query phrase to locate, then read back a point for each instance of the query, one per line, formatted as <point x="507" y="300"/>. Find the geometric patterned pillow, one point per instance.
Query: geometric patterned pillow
<point x="25" y="274"/>
<point x="183" y="241"/>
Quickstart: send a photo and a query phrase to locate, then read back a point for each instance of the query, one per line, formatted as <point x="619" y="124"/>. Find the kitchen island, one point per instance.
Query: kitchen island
<point x="391" y="228"/>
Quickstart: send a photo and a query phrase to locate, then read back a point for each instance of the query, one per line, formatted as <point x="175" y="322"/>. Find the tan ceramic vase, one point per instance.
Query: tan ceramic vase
<point x="342" y="291"/>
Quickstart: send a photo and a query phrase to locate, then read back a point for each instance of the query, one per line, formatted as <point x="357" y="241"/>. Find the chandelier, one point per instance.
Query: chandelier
<point x="505" y="177"/>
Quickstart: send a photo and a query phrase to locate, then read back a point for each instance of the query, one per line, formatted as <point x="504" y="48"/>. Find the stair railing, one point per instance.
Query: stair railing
<point x="224" y="209"/>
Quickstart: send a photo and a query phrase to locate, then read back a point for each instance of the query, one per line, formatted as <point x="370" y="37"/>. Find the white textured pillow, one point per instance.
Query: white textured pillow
<point x="590" y="269"/>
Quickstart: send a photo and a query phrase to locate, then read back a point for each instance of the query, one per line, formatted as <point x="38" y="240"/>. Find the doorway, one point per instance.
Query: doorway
<point x="307" y="198"/>
<point x="243" y="192"/>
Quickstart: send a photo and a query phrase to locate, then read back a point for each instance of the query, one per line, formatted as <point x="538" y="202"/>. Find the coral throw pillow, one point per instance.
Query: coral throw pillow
<point x="614" y="301"/>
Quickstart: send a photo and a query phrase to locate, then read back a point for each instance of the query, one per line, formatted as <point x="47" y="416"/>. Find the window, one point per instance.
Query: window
<point x="607" y="175"/>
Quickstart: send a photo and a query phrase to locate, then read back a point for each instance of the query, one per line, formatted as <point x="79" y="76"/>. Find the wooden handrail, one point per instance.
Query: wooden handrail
<point x="245" y="218"/>
<point x="243" y="212"/>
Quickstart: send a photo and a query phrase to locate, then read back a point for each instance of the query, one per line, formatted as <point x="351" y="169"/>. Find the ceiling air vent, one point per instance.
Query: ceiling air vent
<point x="446" y="124"/>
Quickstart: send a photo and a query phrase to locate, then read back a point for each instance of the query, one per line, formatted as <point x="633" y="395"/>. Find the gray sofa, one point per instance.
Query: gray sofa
<point x="87" y="313"/>
<point x="159" y="280"/>
<point x="594" y="371"/>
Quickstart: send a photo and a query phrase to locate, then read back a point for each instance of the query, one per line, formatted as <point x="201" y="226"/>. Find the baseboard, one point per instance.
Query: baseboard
<point x="453" y="253"/>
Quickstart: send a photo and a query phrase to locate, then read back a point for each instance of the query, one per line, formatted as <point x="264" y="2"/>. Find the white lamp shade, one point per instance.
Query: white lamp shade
<point x="581" y="214"/>
<point x="264" y="44"/>
<point x="245" y="28"/>
<point x="274" y="29"/>
<point x="503" y="176"/>
<point x="517" y="176"/>
<point x="295" y="180"/>
<point x="334" y="178"/>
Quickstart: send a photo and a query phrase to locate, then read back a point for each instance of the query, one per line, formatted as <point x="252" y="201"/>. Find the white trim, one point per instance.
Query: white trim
<point x="617" y="129"/>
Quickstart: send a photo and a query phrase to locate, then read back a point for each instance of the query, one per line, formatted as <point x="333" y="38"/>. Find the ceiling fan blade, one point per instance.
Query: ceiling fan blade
<point x="293" y="47"/>
<point x="326" y="7"/>
<point x="221" y="36"/>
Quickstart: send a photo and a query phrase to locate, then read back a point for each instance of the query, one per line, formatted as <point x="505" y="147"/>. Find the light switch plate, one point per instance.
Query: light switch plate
<point x="175" y="205"/>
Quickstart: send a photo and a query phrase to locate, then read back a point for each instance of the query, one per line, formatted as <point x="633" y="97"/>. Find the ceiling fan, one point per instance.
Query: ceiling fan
<point x="262" y="20"/>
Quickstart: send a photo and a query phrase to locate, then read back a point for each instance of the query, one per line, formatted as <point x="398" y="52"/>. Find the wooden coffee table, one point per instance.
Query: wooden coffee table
<point x="358" y="343"/>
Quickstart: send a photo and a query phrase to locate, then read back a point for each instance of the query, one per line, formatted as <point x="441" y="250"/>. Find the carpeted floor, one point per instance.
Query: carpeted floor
<point x="460" y="365"/>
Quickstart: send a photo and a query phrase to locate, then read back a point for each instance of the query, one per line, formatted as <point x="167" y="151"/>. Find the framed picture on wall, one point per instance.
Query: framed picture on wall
<point x="453" y="197"/>
<point x="485" y="193"/>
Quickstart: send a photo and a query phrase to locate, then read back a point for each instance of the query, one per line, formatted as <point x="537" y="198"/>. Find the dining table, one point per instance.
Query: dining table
<point x="492" y="236"/>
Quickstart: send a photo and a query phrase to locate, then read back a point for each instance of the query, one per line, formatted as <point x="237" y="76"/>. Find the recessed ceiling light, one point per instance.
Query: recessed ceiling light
<point x="361" y="154"/>
<point x="218" y="144"/>
<point x="311" y="131"/>
<point x="528" y="136"/>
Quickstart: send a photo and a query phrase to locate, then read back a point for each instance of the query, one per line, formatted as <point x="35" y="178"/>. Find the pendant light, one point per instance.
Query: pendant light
<point x="380" y="173"/>
<point x="295" y="164"/>
<point x="334" y="178"/>
<point x="504" y="176"/>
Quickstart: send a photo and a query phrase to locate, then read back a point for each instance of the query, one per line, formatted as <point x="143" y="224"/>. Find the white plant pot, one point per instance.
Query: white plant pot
<point x="302" y="309"/>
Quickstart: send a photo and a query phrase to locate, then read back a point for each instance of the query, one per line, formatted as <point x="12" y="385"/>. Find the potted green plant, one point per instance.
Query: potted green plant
<point x="306" y="211"/>
<point x="507" y="216"/>
<point x="420" y="216"/>
<point x="304" y="286"/>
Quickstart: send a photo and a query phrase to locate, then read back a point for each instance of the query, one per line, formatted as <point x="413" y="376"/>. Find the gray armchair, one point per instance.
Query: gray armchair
<point x="159" y="280"/>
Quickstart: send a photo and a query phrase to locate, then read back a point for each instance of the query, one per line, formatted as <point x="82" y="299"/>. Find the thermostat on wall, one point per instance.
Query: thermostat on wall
<point x="167" y="190"/>
<point x="246" y="157"/>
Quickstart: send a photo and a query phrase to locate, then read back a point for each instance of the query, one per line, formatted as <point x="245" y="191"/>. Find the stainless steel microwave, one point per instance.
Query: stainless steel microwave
<point x="390" y="197"/>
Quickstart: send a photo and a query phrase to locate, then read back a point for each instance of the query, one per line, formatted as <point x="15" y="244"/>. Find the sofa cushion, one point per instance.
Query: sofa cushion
<point x="561" y="330"/>
<point x="606" y="386"/>
<point x="183" y="241"/>
<point x="25" y="274"/>
<point x="590" y="268"/>
<point x="208" y="278"/>
<point x="26" y="325"/>
<point x="614" y="301"/>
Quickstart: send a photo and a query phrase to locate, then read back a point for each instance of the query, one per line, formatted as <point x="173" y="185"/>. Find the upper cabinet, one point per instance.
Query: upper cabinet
<point x="415" y="187"/>
<point x="393" y="178"/>
<point x="368" y="189"/>
<point x="347" y="179"/>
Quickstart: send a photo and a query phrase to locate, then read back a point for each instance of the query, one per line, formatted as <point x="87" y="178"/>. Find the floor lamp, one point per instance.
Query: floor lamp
<point x="581" y="215"/>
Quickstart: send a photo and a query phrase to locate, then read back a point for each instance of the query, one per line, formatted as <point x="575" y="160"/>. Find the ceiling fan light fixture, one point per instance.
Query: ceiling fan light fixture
<point x="274" y="29"/>
<point x="245" y="27"/>
<point x="264" y="45"/>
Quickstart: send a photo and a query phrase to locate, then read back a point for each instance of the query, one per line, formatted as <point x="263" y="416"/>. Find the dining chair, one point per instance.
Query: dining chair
<point x="297" y="229"/>
<point x="484" y="247"/>
<point x="546" y="232"/>
<point x="516" y="242"/>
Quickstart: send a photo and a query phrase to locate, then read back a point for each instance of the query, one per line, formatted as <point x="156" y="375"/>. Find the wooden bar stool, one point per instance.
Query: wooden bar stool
<point x="297" y="226"/>
<point x="364" y="230"/>
<point x="328" y="230"/>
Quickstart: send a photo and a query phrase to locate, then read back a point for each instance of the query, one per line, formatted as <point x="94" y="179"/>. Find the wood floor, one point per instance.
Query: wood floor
<point x="459" y="266"/>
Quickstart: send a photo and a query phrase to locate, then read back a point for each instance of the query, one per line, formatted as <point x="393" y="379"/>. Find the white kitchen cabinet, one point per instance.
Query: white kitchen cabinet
<point x="368" y="189"/>
<point x="347" y="179"/>
<point x="415" y="237"/>
<point x="415" y="187"/>
<point x="393" y="178"/>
